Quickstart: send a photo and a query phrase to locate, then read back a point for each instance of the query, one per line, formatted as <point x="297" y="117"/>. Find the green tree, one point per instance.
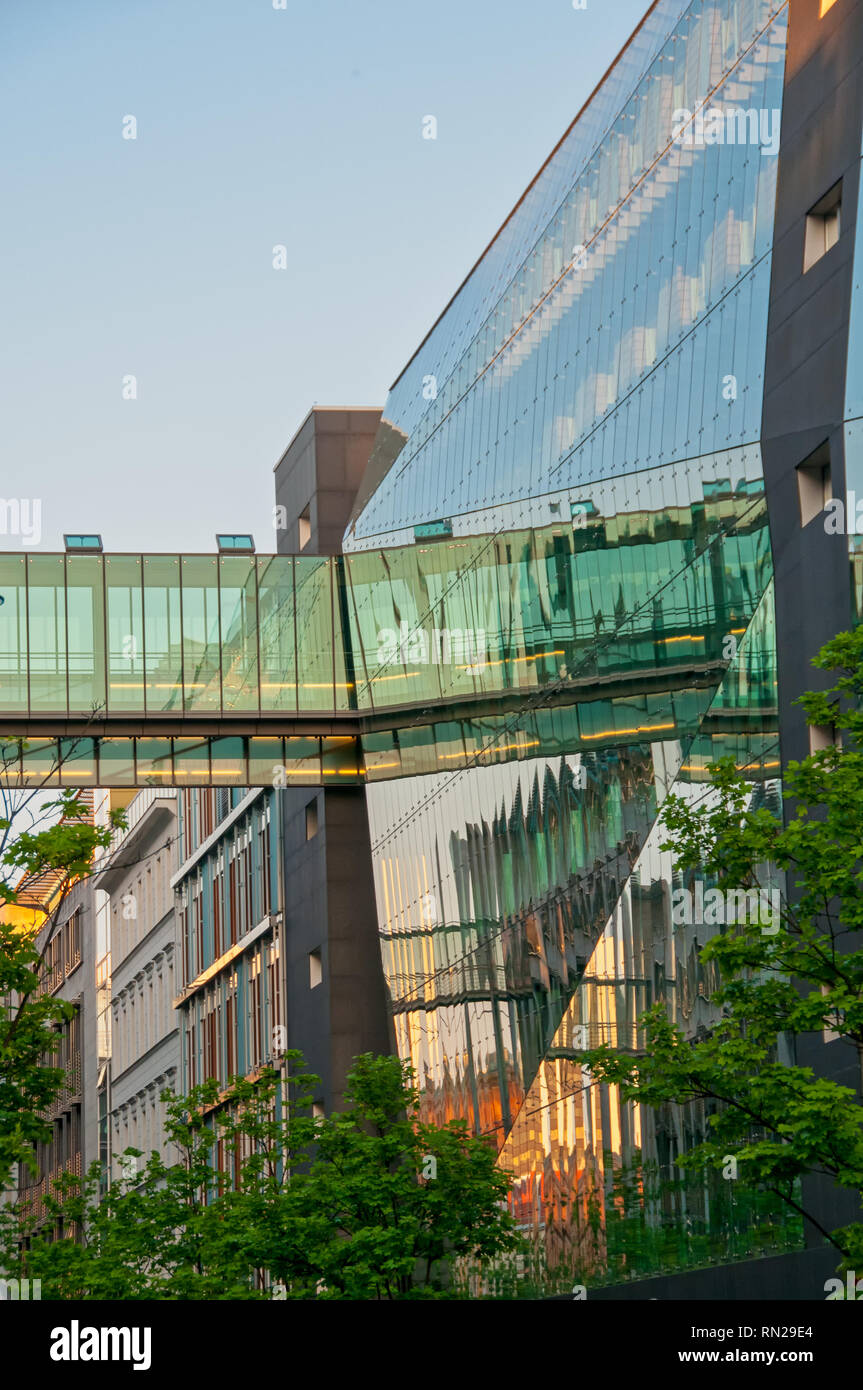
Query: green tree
<point x="368" y="1203"/>
<point x="175" y="1230"/>
<point x="801" y="974"/>
<point x="390" y="1207"/>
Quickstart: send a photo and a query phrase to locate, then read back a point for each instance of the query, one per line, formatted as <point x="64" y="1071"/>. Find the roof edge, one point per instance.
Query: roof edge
<point x="612" y="65"/>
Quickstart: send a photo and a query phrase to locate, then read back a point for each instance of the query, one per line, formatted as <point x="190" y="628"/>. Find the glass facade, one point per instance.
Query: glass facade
<point x="403" y="648"/>
<point x="169" y="634"/>
<point x="481" y="613"/>
<point x="606" y="344"/>
<point x="229" y="934"/>
<point x="570" y="464"/>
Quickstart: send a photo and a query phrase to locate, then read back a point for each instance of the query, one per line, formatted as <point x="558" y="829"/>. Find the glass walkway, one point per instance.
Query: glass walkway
<point x="125" y="670"/>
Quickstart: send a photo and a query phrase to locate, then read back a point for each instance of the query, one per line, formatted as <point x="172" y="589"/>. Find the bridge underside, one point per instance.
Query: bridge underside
<point x="97" y="751"/>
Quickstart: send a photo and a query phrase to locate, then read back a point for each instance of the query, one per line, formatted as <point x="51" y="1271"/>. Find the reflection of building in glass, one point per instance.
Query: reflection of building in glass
<point x="140" y="1019"/>
<point x="229" y="976"/>
<point x="587" y="486"/>
<point x="611" y="496"/>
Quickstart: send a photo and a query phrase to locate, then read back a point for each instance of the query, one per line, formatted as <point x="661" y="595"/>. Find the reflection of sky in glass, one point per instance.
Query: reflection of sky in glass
<point x="612" y="346"/>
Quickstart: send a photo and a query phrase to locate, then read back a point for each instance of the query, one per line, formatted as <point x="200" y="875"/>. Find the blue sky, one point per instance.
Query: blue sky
<point x="153" y="257"/>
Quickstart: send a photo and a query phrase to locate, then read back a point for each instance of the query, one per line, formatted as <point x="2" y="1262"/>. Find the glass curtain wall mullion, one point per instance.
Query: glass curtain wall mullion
<point x="200" y="629"/>
<point x="46" y="624"/>
<point x="163" y="634"/>
<point x="315" y="637"/>
<point x="277" y="633"/>
<point x="85" y="624"/>
<point x="14" y="655"/>
<point x="116" y="762"/>
<point x="66" y="620"/>
<point x="344" y="675"/>
<point x="229" y="763"/>
<point x="239" y="633"/>
<point x="126" y="649"/>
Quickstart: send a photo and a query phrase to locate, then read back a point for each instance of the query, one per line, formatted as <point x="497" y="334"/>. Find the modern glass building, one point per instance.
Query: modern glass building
<point x="590" y="465"/>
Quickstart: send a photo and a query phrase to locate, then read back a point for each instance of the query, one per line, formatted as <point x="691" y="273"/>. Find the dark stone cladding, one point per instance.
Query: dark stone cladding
<point x="804" y="404"/>
<point x="328" y="883"/>
<point x="330" y="907"/>
<point x="807" y="341"/>
<point x="798" y="1276"/>
<point x="319" y="474"/>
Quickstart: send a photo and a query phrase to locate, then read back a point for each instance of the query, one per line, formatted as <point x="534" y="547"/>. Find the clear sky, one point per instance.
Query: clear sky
<point x="153" y="257"/>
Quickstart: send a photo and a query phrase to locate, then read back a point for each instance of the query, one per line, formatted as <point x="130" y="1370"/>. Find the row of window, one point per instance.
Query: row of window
<point x="228" y="893"/>
<point x="202" y="810"/>
<point x="235" y="1025"/>
<point x="143" y="1015"/>
<point x="62" y="954"/>
<point x="66" y="1055"/>
<point x="61" y="1153"/>
<point x="144" y="901"/>
<point x="139" y="1124"/>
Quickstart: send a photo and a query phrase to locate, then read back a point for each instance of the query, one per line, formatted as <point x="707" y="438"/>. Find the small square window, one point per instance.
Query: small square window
<point x="316" y="969"/>
<point x="832" y="1034"/>
<point x="311" y="820"/>
<point x="814" y="488"/>
<point x="318" y="1111"/>
<point x="825" y="735"/>
<point x="822" y="227"/>
<point x="305" y="527"/>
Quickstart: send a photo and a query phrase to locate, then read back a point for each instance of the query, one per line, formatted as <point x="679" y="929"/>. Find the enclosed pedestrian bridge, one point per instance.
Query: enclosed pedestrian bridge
<point x="128" y="670"/>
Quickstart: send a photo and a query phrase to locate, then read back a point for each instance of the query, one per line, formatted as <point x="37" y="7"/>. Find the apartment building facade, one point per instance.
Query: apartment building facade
<point x="229" y="980"/>
<point x="69" y="940"/>
<point x="144" y="1036"/>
